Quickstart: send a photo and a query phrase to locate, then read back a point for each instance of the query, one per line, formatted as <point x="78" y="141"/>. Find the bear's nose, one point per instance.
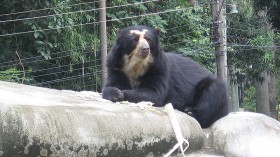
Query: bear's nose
<point x="144" y="48"/>
<point x="145" y="51"/>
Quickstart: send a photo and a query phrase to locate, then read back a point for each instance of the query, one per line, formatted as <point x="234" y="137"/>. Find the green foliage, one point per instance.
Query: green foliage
<point x="273" y="8"/>
<point x="14" y="75"/>
<point x="194" y="40"/>
<point x="252" y="51"/>
<point x="249" y="103"/>
<point x="60" y="40"/>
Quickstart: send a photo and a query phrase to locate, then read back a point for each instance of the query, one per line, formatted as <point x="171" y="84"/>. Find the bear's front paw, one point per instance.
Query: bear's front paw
<point x="112" y="94"/>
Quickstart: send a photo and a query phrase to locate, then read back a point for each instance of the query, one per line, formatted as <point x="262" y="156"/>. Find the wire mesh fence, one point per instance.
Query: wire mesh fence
<point x="57" y="45"/>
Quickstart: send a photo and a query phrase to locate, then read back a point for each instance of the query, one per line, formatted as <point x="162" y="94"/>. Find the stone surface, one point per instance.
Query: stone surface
<point x="38" y="121"/>
<point x="245" y="134"/>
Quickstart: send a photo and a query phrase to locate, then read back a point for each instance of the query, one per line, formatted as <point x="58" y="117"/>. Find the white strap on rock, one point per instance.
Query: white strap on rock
<point x="176" y="127"/>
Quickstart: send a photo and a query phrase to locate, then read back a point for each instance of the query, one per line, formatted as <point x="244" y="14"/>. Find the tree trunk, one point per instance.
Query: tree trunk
<point x="233" y="91"/>
<point x="268" y="83"/>
<point x="272" y="88"/>
<point x="272" y="95"/>
<point x="234" y="98"/>
<point x="262" y="96"/>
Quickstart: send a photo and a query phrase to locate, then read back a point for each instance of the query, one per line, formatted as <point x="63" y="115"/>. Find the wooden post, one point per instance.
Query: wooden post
<point x="220" y="36"/>
<point x="103" y="37"/>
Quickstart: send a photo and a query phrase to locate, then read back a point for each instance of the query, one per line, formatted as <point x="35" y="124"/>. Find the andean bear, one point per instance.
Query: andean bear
<point x="139" y="70"/>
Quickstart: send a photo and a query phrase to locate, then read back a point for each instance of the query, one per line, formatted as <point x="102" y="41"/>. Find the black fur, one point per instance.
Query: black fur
<point x="171" y="78"/>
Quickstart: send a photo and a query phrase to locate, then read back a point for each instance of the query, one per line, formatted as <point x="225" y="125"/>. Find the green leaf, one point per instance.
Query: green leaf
<point x="39" y="42"/>
<point x="36" y="34"/>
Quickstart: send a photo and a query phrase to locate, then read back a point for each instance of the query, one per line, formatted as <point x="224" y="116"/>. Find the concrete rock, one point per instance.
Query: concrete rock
<point x="245" y="134"/>
<point x="38" y="121"/>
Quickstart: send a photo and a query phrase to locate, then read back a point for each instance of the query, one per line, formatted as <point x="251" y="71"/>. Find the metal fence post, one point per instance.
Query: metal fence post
<point x="103" y="37"/>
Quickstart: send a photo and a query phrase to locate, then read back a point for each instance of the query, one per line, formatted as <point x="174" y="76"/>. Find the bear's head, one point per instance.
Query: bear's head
<point x="136" y="48"/>
<point x="138" y="40"/>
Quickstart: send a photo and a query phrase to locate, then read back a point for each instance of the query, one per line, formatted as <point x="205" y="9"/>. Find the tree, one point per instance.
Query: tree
<point x="262" y="95"/>
<point x="251" y="50"/>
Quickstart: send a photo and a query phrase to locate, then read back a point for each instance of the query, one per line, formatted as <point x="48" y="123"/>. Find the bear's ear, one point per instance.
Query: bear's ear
<point x="119" y="31"/>
<point x="157" y="30"/>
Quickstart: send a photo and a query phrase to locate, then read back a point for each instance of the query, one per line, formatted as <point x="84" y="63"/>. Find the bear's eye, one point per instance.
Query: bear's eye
<point x="148" y="39"/>
<point x="136" y="39"/>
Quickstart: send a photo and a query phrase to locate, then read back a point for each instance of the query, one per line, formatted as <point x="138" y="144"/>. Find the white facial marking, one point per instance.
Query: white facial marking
<point x="141" y="33"/>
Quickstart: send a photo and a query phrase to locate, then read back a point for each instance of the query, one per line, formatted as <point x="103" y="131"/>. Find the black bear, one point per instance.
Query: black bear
<point x="139" y="70"/>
